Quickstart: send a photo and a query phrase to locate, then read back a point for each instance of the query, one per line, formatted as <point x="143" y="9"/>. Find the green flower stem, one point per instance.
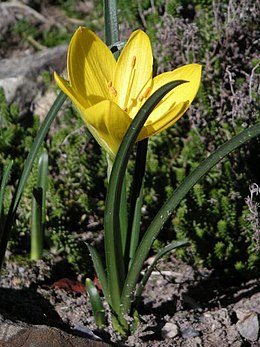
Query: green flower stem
<point x="114" y="257"/>
<point x="136" y="198"/>
<point x="27" y="170"/>
<point x="167" y="209"/>
<point x="111" y="22"/>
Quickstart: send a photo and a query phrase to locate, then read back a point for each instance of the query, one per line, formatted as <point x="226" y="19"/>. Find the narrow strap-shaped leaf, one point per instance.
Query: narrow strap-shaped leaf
<point x="37" y="144"/>
<point x="167" y="209"/>
<point x="135" y="231"/>
<point x="123" y="218"/>
<point x="138" y="177"/>
<point x="43" y="179"/>
<point x="137" y="197"/>
<point x="36" y="225"/>
<point x="114" y="255"/>
<point x="159" y="255"/>
<point x="96" y="303"/>
<point x="38" y="208"/>
<point x="27" y="170"/>
<point x="99" y="270"/>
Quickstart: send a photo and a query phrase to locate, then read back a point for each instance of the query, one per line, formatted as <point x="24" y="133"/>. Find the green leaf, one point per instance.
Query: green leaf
<point x="42" y="180"/>
<point x="27" y="170"/>
<point x="167" y="209"/>
<point x="38" y="208"/>
<point x="96" y="303"/>
<point x="135" y="231"/>
<point x="137" y="197"/>
<point x="100" y="271"/>
<point x="161" y="253"/>
<point x="36" y="225"/>
<point x="113" y="248"/>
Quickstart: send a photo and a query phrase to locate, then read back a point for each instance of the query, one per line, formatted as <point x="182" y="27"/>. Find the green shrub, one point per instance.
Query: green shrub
<point x="213" y="216"/>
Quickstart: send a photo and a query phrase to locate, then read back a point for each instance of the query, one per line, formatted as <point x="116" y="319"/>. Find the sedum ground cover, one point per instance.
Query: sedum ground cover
<point x="214" y="217"/>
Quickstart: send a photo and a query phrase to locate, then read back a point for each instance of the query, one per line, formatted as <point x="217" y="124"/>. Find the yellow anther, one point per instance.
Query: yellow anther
<point x="133" y="61"/>
<point x="130" y="83"/>
<point x="145" y="94"/>
<point x="111" y="89"/>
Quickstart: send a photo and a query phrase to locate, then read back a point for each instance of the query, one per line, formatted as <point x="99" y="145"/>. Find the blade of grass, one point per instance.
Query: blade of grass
<point x="113" y="250"/>
<point x="167" y="209"/>
<point x="26" y="171"/>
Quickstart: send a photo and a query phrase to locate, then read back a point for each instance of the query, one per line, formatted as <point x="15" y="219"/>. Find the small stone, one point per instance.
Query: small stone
<point x="169" y="331"/>
<point x="189" y="332"/>
<point x="248" y="324"/>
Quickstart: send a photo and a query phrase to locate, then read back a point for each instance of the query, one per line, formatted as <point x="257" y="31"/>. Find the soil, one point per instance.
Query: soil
<point x="181" y="306"/>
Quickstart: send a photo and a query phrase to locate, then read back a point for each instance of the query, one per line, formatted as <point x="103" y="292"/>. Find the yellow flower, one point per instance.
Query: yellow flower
<point x="109" y="93"/>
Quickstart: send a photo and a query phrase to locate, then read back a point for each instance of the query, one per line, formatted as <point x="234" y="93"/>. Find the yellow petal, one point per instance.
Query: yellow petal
<point x="167" y="121"/>
<point x="133" y="70"/>
<point x="90" y="65"/>
<point x="76" y="98"/>
<point x="108" y="123"/>
<point x="181" y="94"/>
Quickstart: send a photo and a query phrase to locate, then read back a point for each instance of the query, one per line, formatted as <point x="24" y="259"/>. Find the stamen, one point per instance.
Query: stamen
<point x="111" y="89"/>
<point x="145" y="94"/>
<point x="81" y="29"/>
<point x="130" y="82"/>
<point x="133" y="61"/>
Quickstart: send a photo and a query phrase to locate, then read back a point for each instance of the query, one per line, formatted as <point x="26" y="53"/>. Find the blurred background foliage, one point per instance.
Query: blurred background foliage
<point x="221" y="35"/>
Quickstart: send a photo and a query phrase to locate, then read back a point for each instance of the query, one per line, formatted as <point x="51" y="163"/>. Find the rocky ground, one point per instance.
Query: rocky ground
<point x="45" y="304"/>
<point x="182" y="306"/>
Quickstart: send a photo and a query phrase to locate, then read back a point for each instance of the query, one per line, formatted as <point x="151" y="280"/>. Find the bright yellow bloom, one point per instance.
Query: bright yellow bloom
<point x="109" y="93"/>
